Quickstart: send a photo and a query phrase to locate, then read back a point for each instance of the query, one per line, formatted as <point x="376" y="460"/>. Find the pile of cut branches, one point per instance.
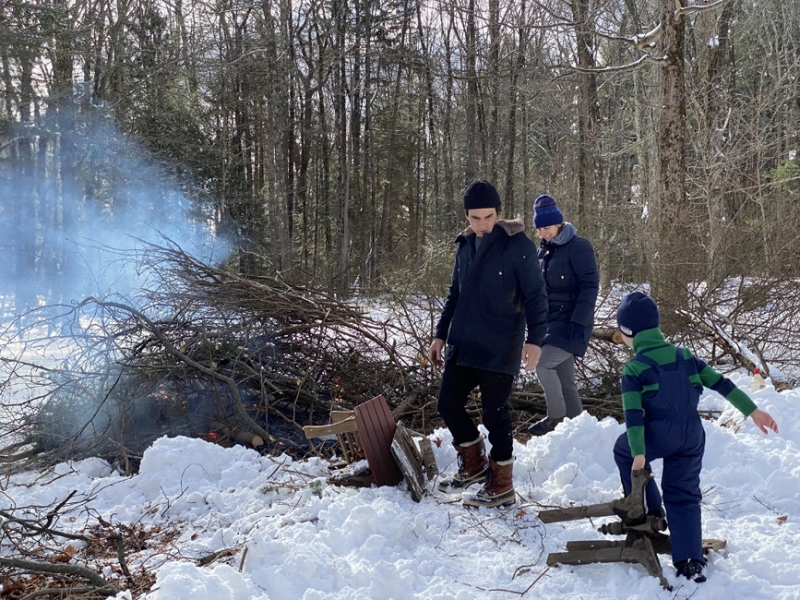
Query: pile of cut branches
<point x="205" y="352"/>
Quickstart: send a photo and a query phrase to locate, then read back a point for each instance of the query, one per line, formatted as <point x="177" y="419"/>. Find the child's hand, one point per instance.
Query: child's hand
<point x="764" y="421"/>
<point x="638" y="462"/>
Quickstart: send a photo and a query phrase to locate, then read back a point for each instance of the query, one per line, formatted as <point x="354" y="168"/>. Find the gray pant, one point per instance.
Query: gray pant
<point x="556" y="373"/>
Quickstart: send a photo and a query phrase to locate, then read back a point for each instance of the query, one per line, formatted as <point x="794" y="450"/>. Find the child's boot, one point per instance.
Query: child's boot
<point x="692" y="569"/>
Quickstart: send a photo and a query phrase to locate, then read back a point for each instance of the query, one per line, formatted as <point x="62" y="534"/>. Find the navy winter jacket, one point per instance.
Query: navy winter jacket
<point x="570" y="274"/>
<point x="493" y="296"/>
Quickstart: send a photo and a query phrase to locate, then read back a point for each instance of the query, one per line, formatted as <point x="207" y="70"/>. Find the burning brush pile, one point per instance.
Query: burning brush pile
<point x="204" y="353"/>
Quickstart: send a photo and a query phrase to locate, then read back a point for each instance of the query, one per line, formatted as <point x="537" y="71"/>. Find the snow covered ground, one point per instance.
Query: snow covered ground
<point x="292" y="536"/>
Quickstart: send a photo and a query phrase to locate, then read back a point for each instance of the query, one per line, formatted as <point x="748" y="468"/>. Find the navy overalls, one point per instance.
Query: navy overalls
<point x="674" y="433"/>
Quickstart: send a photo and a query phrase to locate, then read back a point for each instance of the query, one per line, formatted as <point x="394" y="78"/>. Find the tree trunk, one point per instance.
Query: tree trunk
<point x="716" y="120"/>
<point x="517" y="66"/>
<point x="24" y="210"/>
<point x="588" y="116"/>
<point x="472" y="95"/>
<point x="675" y="255"/>
<point x="386" y="242"/>
<point x="342" y="281"/>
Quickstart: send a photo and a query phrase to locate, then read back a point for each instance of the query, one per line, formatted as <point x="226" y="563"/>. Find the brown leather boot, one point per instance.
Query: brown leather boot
<point x="472" y="466"/>
<point x="499" y="487"/>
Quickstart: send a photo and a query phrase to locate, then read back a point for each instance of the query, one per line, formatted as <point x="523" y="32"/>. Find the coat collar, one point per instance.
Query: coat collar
<point x="511" y="227"/>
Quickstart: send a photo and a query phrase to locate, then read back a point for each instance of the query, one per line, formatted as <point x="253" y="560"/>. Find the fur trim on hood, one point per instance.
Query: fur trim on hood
<point x="511" y="227"/>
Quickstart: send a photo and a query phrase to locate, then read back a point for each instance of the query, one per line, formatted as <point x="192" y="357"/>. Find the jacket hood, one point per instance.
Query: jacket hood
<point x="510" y="226"/>
<point x="648" y="339"/>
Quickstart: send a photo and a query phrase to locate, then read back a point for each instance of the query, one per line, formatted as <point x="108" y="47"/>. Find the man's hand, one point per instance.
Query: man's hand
<point x="764" y="421"/>
<point x="638" y="462"/>
<point x="530" y="356"/>
<point x="435" y="352"/>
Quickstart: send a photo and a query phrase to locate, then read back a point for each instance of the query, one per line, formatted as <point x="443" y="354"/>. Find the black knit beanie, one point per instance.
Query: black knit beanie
<point x="481" y="194"/>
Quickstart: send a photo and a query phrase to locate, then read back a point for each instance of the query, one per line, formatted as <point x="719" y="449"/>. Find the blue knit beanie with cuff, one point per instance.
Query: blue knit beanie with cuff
<point x="545" y="212"/>
<point x="637" y="312"/>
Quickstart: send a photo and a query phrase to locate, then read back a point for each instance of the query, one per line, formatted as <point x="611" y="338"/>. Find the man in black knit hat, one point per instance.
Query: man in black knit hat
<point x="495" y="315"/>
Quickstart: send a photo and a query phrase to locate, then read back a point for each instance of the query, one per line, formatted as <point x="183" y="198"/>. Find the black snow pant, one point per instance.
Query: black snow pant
<point x="495" y="388"/>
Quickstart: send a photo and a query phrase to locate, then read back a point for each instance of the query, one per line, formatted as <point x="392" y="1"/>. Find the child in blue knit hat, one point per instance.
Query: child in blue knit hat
<point x="661" y="387"/>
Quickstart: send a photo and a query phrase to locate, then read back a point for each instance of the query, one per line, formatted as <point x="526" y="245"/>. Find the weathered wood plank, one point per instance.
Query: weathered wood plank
<point x="376" y="428"/>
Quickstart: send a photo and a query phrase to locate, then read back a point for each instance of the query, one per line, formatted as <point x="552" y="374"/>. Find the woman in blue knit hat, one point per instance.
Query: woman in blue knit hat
<point x="570" y="275"/>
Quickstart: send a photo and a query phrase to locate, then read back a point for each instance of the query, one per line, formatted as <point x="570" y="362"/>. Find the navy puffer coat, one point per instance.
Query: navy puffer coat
<point x="570" y="274"/>
<point x="495" y="295"/>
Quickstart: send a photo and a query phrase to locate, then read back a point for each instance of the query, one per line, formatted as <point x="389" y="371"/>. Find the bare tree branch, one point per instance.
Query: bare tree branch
<point x="94" y="578"/>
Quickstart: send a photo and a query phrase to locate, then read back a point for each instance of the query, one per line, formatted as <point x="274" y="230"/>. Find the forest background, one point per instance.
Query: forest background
<point x="334" y="138"/>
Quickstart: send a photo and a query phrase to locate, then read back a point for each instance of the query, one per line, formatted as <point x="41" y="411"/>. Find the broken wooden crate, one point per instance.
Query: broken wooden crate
<point x="370" y="432"/>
